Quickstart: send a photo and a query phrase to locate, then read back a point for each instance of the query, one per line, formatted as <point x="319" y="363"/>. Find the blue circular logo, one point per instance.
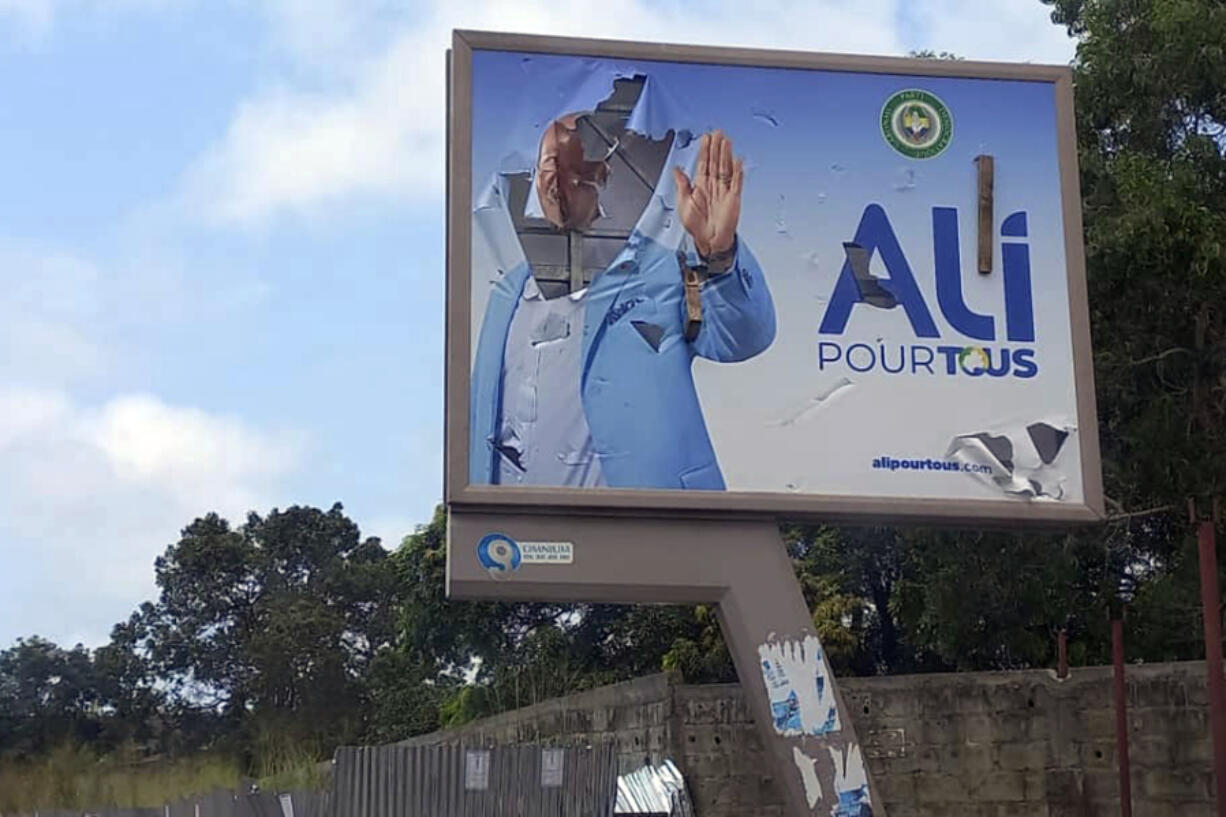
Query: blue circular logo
<point x="499" y="554"/>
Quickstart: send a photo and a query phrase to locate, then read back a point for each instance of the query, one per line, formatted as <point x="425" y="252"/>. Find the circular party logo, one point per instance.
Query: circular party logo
<point x="974" y="360"/>
<point x="917" y="124"/>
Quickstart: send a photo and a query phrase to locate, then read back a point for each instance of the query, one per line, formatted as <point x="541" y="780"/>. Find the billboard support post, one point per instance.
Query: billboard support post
<point x="743" y="567"/>
<point x="1211" y="599"/>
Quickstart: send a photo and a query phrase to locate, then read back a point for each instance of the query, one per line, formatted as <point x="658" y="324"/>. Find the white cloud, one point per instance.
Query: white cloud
<point x="391" y="530"/>
<point x="50" y="298"/>
<point x="341" y="123"/>
<point x="185" y="451"/>
<point x="91" y="494"/>
<point x="27" y="412"/>
<point x="295" y="150"/>
<point x="1004" y="30"/>
<point x="337" y="34"/>
<point x="381" y="131"/>
<point x="32" y="17"/>
<point x="92" y="489"/>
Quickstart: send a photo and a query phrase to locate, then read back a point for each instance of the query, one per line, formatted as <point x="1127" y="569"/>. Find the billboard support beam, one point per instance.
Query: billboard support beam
<point x="743" y="567"/>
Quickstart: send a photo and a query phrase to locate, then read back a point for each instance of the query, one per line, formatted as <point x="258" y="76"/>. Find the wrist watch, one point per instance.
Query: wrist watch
<point x="692" y="279"/>
<point x="720" y="262"/>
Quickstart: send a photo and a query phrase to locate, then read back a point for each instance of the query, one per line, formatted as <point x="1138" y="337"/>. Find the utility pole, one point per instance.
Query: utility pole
<point x="1211" y="600"/>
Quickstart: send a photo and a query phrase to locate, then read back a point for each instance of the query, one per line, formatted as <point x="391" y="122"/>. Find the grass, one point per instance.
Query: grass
<point x="72" y="777"/>
<point x="286" y="765"/>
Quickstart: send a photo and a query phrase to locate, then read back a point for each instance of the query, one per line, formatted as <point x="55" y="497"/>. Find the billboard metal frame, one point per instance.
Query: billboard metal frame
<point x="460" y="493"/>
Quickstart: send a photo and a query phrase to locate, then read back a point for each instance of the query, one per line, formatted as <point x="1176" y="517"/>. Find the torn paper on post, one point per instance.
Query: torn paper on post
<point x="850" y="783"/>
<point x="802" y="701"/>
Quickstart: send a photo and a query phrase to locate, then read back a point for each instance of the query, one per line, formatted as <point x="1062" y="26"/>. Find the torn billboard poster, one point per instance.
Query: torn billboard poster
<point x="710" y="277"/>
<point x="802" y="700"/>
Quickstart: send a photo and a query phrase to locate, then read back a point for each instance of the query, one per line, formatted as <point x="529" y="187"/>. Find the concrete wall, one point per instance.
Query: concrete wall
<point x="1000" y="744"/>
<point x="640" y="716"/>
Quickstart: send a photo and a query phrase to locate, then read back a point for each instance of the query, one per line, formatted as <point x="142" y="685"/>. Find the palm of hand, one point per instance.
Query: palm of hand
<point x="710" y="206"/>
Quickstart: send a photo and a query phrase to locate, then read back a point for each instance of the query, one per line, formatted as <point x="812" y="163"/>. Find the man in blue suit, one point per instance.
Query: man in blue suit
<point x="593" y="388"/>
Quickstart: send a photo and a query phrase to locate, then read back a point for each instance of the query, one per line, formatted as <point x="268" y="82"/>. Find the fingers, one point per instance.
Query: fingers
<point x="684" y="189"/>
<point x="713" y="162"/>
<point x="725" y="159"/>
<point x="702" y="170"/>
<point x="717" y="170"/>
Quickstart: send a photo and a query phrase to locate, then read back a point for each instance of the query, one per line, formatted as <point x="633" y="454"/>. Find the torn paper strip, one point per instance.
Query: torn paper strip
<point x="850" y="783"/>
<point x="808" y="776"/>
<point x="801" y="698"/>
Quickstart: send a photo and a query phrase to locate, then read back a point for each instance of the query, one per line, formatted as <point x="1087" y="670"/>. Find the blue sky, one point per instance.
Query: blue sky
<point x="221" y="254"/>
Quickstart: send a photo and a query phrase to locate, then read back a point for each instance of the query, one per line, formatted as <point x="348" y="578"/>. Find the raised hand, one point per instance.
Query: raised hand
<point x="710" y="206"/>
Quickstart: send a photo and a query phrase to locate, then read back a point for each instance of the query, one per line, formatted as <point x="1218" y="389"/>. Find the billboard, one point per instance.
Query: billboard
<point x="721" y="280"/>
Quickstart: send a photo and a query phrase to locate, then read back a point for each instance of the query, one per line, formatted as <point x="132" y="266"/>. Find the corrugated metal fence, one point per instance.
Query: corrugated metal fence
<point x="116" y="812"/>
<point x="425" y="781"/>
<point x="660" y="790"/>
<point x="466" y="781"/>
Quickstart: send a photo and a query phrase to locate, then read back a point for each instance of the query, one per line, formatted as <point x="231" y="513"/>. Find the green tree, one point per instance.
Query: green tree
<point x="48" y="696"/>
<point x="474" y="658"/>
<point x="478" y="658"/>
<point x="275" y="624"/>
<point x="127" y="684"/>
<point x="1151" y="121"/>
<point x="1151" y="104"/>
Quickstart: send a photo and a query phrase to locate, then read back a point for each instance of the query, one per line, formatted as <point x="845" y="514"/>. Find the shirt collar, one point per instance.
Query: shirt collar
<point x="532" y="292"/>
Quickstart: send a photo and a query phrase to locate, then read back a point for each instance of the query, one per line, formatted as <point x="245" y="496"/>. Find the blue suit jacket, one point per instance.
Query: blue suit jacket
<point x="639" y="400"/>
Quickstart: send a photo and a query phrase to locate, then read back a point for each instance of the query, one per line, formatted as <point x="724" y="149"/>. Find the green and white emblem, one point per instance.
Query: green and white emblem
<point x="916" y="124"/>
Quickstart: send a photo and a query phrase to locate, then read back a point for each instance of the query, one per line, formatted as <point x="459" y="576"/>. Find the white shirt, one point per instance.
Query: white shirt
<point x="543" y="436"/>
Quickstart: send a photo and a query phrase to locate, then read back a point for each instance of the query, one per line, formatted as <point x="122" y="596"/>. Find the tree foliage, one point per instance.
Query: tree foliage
<point x="273" y="623"/>
<point x="1151" y="104"/>
<point x="486" y="657"/>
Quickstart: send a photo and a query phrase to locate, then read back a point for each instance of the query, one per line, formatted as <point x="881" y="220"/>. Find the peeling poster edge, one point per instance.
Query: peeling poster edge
<point x="801" y="695"/>
<point x="850" y="782"/>
<point x="808" y="776"/>
<point x="1022" y="460"/>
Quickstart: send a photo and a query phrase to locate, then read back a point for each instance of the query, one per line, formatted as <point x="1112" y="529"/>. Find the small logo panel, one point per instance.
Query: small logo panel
<point x="499" y="554"/>
<point x="917" y="124"/>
